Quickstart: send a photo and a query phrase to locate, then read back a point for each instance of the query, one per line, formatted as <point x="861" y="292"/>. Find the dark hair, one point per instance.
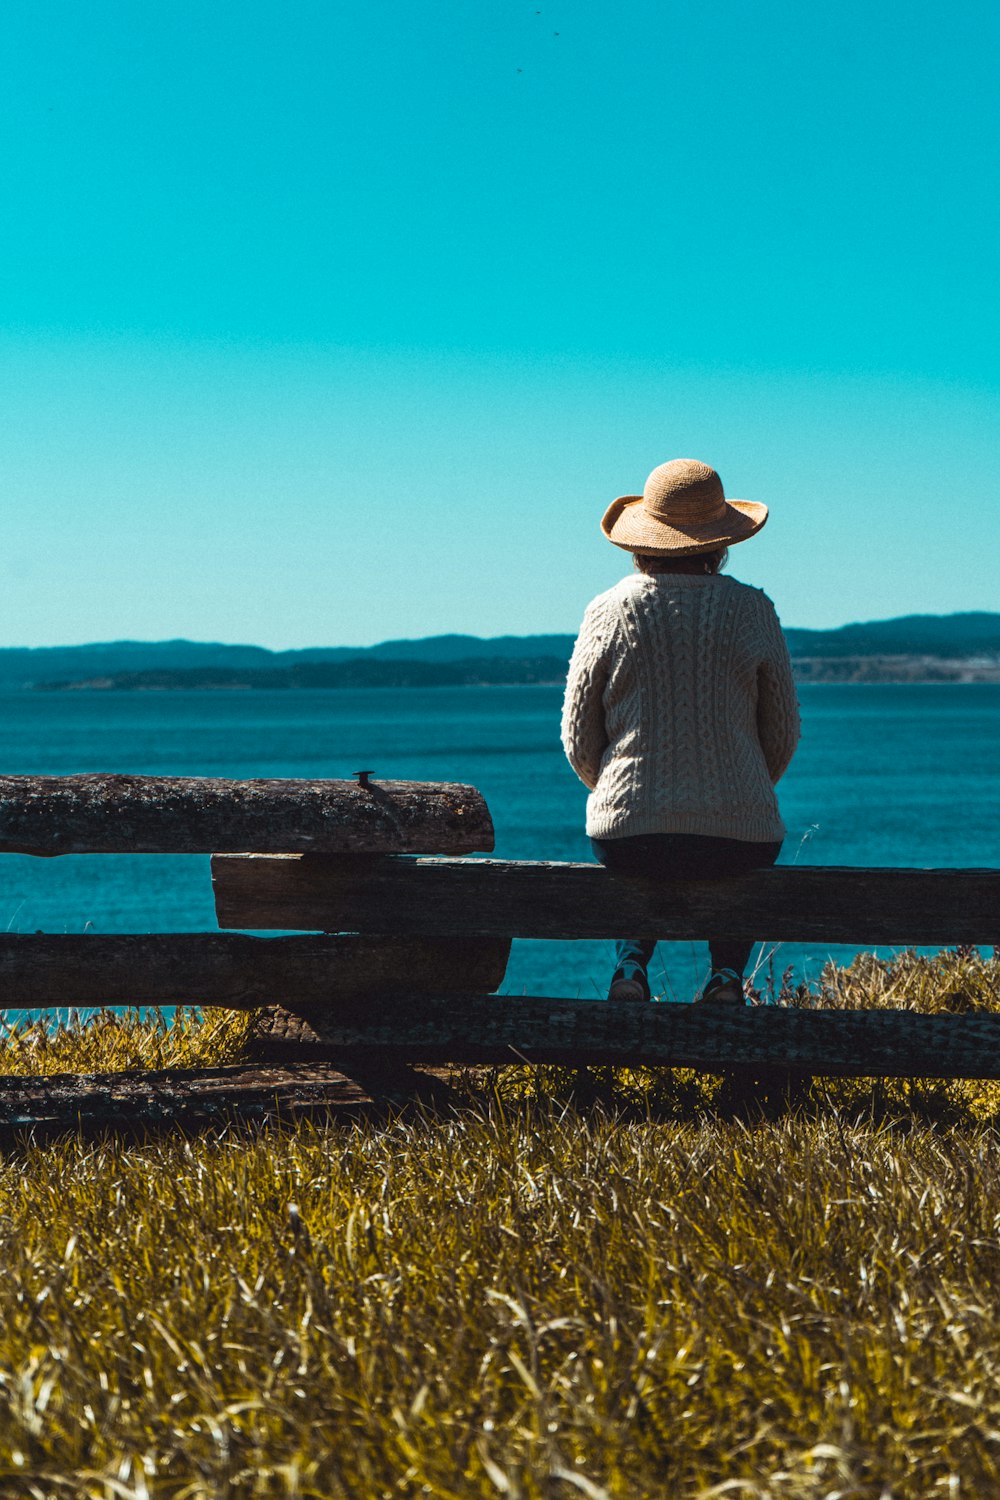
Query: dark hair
<point x="682" y="562"/>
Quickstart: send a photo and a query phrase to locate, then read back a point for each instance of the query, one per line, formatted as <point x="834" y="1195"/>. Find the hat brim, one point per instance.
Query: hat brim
<point x="628" y="525"/>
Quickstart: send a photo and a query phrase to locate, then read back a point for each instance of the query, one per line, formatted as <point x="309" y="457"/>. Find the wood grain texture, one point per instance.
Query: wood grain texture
<point x="500" y="1029"/>
<point x="39" y="971"/>
<point x="206" y="1098"/>
<point x="105" y="814"/>
<point x="540" y="900"/>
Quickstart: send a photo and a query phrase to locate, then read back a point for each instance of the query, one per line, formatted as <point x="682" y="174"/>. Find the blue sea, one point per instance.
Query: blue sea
<point x="885" y="775"/>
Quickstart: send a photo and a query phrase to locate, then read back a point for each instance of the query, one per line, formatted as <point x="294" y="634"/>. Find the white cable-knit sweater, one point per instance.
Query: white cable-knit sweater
<point x="680" y="710"/>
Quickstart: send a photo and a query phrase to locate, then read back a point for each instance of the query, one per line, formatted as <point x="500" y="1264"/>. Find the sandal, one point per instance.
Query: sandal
<point x="629" y="982"/>
<point x="725" y="987"/>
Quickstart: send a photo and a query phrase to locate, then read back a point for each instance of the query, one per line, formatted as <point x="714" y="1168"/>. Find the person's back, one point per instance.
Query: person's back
<point x="680" y="712"/>
<point x="695" y="720"/>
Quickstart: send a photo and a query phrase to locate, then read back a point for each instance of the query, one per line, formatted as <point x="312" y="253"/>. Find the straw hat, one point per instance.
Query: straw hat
<point x="682" y="508"/>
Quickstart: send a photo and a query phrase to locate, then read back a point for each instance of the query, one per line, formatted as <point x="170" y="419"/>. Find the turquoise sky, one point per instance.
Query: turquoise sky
<point x="325" y="323"/>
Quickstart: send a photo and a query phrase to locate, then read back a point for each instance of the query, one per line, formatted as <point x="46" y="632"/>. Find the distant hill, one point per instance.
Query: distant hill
<point x="961" y="635"/>
<point x="26" y="667"/>
<point x="906" y="649"/>
<point x="465" y="648"/>
<point x="358" y="672"/>
<point x="40" y="666"/>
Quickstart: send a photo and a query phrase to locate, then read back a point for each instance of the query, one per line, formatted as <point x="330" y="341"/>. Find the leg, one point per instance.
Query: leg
<point x="630" y="980"/>
<point x="730" y="956"/>
<point x="729" y="953"/>
<point x="725" y="983"/>
<point x="684" y="857"/>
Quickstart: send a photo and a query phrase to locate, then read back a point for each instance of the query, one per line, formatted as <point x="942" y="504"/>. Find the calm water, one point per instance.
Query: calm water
<point x="886" y="775"/>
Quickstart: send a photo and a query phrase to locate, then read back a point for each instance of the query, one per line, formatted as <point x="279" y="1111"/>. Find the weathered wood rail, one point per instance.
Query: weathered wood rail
<point x="206" y="1098"/>
<point x="389" y="958"/>
<point x="485" y="898"/>
<point x="49" y="815"/>
<point x="234" y="970"/>
<point x="473" y="1029"/>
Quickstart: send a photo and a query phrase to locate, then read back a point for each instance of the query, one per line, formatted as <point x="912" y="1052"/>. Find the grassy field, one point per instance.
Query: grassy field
<point x="649" y="1297"/>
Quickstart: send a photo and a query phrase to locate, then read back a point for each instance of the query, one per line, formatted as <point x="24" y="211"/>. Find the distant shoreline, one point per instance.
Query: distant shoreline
<point x="495" y="672"/>
<point x="898" y="669"/>
<point x="915" y="648"/>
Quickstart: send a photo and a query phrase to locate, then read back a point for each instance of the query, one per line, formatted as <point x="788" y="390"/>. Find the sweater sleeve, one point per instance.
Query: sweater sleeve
<point x="778" y="726"/>
<point x="584" y="735"/>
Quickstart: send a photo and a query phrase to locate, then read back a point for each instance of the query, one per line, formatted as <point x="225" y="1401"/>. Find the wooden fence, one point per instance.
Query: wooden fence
<point x="388" y="957"/>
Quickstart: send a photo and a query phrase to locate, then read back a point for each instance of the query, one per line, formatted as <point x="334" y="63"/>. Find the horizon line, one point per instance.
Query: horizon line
<point x="184" y="640"/>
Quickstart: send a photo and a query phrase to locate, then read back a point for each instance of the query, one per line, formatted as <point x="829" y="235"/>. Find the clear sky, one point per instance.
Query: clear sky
<point x="326" y="323"/>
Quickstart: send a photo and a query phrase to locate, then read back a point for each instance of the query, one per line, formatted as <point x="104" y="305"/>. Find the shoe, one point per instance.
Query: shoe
<point x="629" y="983"/>
<point x="725" y="987"/>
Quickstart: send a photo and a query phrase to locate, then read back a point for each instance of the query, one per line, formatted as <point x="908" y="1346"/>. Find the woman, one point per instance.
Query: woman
<point x="680" y="712"/>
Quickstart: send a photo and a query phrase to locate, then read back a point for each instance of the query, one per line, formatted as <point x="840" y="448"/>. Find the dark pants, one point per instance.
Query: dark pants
<point x="685" y="856"/>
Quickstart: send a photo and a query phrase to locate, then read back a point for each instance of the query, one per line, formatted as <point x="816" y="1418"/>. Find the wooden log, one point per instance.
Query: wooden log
<point x="233" y="970"/>
<point x="539" y="900"/>
<point x="372" y="1079"/>
<point x="500" y="1029"/>
<point x="105" y="814"/>
<point x="200" y="1098"/>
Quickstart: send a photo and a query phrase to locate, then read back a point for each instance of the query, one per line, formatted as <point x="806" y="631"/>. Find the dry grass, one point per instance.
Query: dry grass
<point x="523" y="1301"/>
<point x="958" y="979"/>
<point x="117" y="1041"/>
<point x="526" y="1303"/>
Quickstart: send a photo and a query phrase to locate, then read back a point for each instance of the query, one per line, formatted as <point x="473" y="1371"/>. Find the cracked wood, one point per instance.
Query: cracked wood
<point x="108" y="814"/>
<point x="234" y="970"/>
<point x="541" y="900"/>
<point x="472" y="1029"/>
<point x="46" y="1107"/>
